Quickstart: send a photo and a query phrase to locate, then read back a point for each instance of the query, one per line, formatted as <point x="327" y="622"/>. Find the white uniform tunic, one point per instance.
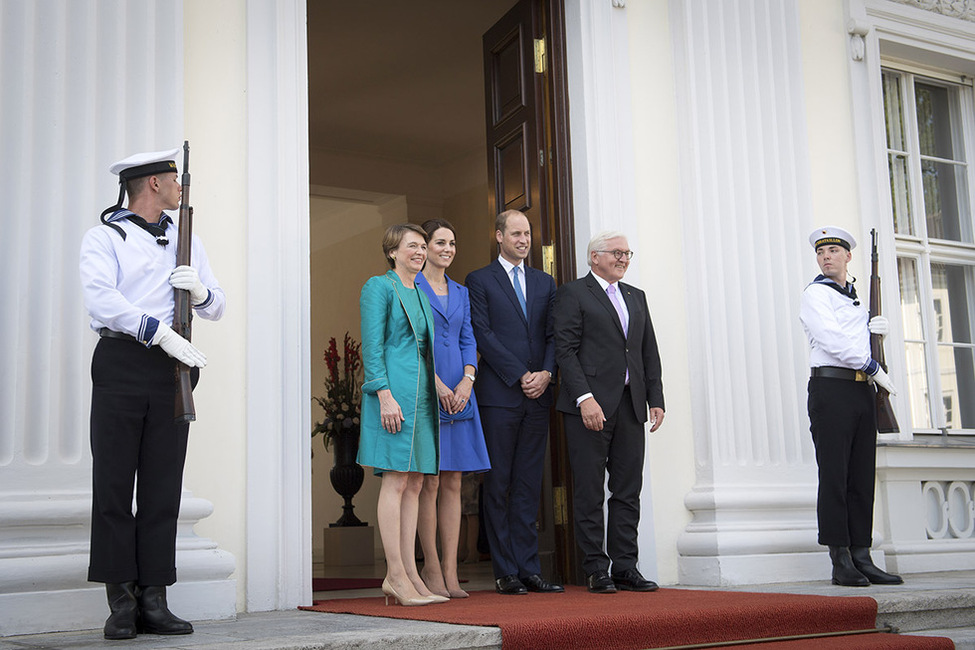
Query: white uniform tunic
<point x="126" y="282"/>
<point x="836" y="328"/>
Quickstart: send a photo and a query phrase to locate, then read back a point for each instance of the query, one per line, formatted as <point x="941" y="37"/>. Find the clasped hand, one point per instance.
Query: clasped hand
<point x="533" y="384"/>
<point x="454" y="401"/>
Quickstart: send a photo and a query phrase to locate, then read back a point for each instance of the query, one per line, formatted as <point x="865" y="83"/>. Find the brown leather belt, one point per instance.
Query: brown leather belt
<point x="832" y="372"/>
<point x="106" y="333"/>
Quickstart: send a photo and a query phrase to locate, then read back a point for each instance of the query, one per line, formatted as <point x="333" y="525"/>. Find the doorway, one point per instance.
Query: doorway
<point x="397" y="132"/>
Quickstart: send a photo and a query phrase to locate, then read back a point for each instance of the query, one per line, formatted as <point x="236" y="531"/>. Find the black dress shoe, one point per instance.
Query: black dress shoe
<point x="600" y="583"/>
<point x="631" y="580"/>
<point x="154" y="614"/>
<point x="510" y="585"/>
<point x="864" y="564"/>
<point x="538" y="584"/>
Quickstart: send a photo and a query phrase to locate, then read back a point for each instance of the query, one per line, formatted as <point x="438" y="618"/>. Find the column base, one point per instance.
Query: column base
<point x="40" y="612"/>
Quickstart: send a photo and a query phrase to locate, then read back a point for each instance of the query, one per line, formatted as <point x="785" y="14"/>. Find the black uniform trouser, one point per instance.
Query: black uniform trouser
<point x="619" y="450"/>
<point x="133" y="435"/>
<point x="843" y="422"/>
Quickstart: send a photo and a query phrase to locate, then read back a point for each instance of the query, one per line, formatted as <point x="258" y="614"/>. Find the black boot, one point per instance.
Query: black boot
<point x="154" y="614"/>
<point x="865" y="565"/>
<point x="844" y="573"/>
<point x="121" y="600"/>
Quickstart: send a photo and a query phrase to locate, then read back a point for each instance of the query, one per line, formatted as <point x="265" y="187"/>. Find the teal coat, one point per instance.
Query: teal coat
<point x="391" y="360"/>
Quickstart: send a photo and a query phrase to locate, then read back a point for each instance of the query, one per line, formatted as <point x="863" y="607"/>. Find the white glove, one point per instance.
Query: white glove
<point x="177" y="347"/>
<point x="186" y="277"/>
<point x="879" y="325"/>
<point x="882" y="380"/>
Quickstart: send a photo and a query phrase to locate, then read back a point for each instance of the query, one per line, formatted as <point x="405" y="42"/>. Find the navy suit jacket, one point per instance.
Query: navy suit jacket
<point x="511" y="344"/>
<point x="594" y="354"/>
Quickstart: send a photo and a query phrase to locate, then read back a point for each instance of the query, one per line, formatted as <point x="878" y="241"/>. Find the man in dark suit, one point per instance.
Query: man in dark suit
<point x="511" y="315"/>
<point x="610" y="372"/>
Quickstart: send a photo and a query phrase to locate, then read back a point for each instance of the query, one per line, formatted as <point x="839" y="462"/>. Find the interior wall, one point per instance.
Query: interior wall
<point x="346" y="234"/>
<point x="347" y="222"/>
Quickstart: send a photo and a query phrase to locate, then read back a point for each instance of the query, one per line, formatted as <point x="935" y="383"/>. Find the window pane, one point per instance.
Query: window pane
<point x="952" y="294"/>
<point x="957" y="368"/>
<point x="945" y="201"/>
<point x="934" y="120"/>
<point x="894" y="111"/>
<point x="910" y="299"/>
<point x="917" y="375"/>
<point x="900" y="195"/>
<point x="917" y="380"/>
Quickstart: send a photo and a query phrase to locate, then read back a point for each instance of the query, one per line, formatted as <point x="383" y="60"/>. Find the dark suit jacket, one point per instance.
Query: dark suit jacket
<point x="593" y="354"/>
<point x="510" y="345"/>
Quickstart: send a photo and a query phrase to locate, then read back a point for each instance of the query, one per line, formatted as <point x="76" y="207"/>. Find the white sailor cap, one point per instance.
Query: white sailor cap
<point x="832" y="235"/>
<point x="145" y="164"/>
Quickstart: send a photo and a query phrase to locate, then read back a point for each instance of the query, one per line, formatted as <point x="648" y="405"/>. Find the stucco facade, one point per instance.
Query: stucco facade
<point x="716" y="134"/>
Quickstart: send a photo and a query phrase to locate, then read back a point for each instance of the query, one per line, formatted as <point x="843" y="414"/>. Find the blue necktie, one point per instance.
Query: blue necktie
<point x="519" y="292"/>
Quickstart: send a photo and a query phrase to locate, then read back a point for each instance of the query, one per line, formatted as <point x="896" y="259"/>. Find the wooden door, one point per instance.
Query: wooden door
<point x="526" y="115"/>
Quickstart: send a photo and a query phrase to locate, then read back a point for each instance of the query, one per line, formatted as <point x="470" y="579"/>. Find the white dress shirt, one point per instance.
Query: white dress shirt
<point x="508" y="266"/>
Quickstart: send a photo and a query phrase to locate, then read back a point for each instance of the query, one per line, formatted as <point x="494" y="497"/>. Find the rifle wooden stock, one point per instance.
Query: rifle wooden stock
<point x="183" y="312"/>
<point x="886" y="420"/>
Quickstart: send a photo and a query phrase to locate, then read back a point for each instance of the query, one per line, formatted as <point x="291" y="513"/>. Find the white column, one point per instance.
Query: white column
<point x="84" y="84"/>
<point x="278" y="309"/>
<point x="746" y="213"/>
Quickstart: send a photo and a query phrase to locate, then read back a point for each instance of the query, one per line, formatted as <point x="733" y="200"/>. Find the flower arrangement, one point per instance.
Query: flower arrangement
<point x="342" y="401"/>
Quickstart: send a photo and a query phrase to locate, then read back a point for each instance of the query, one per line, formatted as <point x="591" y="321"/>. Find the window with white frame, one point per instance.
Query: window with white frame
<point x="929" y="124"/>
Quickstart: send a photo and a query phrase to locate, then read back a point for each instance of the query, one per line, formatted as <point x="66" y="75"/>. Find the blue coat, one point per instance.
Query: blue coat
<point x="392" y="360"/>
<point x="462" y="446"/>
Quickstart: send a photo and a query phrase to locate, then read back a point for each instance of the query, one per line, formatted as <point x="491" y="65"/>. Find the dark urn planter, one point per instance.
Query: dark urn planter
<point x="347" y="475"/>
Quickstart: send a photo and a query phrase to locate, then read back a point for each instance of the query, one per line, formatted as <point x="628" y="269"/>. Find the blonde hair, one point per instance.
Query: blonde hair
<point x="394" y="235"/>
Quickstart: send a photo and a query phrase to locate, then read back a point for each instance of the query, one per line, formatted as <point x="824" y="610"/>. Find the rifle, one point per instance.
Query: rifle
<point x="886" y="420"/>
<point x="183" y="311"/>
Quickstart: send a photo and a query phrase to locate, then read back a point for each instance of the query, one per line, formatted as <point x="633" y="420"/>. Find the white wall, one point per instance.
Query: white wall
<point x="215" y="86"/>
<point x="660" y="249"/>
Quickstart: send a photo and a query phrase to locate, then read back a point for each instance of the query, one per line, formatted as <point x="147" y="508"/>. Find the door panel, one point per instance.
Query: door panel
<point x="526" y="115"/>
<point x="513" y="180"/>
<point x="512" y="124"/>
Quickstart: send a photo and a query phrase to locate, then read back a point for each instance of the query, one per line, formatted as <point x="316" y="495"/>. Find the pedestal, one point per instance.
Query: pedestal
<point x="349" y="546"/>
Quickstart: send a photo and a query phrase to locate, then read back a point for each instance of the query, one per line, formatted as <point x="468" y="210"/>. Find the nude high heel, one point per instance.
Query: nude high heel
<point x="405" y="602"/>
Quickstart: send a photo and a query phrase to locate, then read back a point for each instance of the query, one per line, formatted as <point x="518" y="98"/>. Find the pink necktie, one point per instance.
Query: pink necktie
<point x="614" y="298"/>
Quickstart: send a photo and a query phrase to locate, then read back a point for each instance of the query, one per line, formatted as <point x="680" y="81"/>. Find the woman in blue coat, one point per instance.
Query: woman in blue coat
<point x="399" y="425"/>
<point x="462" y="447"/>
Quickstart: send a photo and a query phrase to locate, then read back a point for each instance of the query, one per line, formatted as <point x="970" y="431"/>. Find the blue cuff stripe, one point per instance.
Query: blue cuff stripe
<point x="871" y="367"/>
<point x="147" y="330"/>
<point x="206" y="303"/>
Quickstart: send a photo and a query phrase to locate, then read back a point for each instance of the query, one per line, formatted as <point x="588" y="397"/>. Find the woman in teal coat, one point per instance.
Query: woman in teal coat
<point x="399" y="431"/>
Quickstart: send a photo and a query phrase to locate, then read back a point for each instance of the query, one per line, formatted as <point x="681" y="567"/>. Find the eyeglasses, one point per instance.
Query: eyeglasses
<point x="619" y="254"/>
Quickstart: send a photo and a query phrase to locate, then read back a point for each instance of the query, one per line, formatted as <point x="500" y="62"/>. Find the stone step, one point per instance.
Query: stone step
<point x="927" y="609"/>
<point x="963" y="637"/>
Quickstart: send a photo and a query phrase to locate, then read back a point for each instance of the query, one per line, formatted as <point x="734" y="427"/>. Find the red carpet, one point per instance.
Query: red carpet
<point x="336" y="584"/>
<point x="669" y="617"/>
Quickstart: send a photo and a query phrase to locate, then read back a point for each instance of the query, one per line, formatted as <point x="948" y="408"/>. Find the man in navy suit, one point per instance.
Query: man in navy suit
<point x="609" y="372"/>
<point x="511" y="315"/>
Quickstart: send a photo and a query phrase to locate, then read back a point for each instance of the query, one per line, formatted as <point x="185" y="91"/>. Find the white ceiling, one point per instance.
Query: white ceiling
<point x="398" y="79"/>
